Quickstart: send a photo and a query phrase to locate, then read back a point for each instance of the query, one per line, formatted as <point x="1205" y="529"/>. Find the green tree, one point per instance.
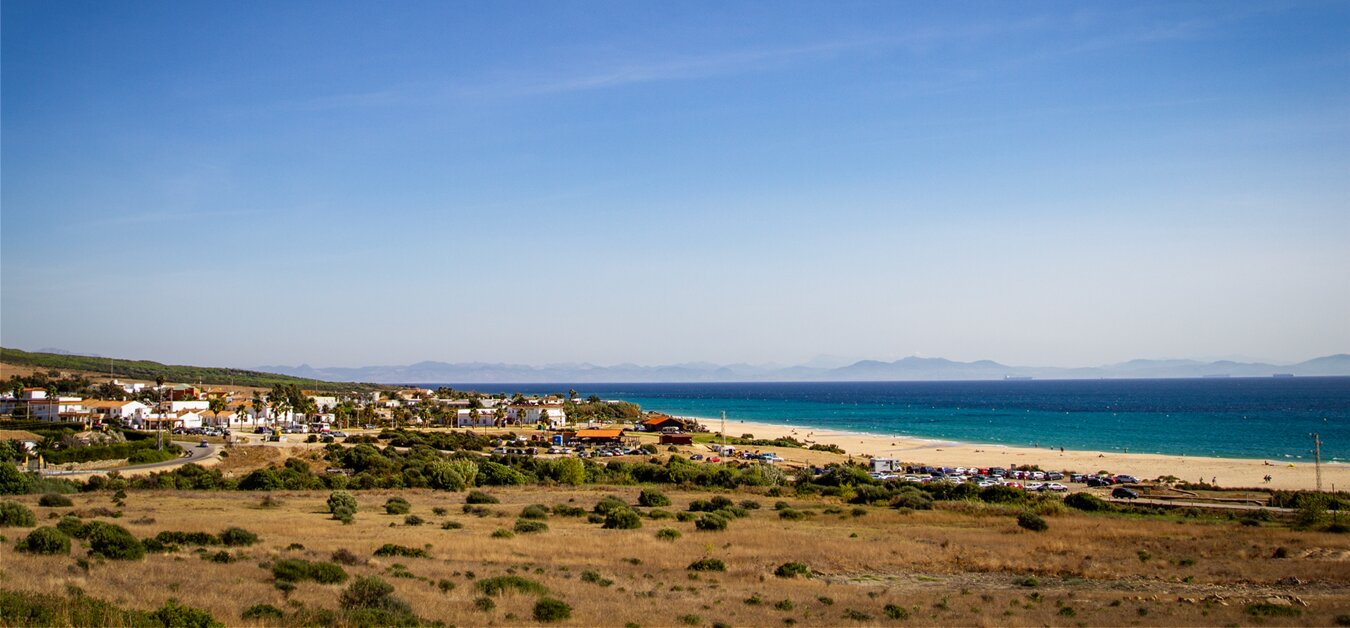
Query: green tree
<point x="216" y="406"/>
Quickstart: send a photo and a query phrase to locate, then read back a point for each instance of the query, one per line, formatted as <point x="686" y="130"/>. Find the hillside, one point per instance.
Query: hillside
<point x="148" y="371"/>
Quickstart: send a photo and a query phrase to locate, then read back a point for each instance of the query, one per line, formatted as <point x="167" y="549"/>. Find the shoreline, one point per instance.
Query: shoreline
<point x="1223" y="472"/>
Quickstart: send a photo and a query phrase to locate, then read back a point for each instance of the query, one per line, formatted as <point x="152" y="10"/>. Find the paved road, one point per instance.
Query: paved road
<point x="192" y="453"/>
<point x="1176" y="503"/>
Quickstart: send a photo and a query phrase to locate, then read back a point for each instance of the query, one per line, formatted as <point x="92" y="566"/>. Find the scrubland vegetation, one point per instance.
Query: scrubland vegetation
<point x="957" y="563"/>
<point x="421" y="528"/>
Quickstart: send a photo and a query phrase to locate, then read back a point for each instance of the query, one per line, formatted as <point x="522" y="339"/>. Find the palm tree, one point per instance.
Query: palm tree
<point x="216" y="405"/>
<point x="500" y="415"/>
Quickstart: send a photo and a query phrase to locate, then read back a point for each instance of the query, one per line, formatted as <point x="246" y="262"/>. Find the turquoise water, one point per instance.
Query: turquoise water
<point x="1266" y="418"/>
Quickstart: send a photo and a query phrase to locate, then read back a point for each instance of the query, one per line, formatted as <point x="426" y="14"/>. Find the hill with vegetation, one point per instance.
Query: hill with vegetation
<point x="148" y="370"/>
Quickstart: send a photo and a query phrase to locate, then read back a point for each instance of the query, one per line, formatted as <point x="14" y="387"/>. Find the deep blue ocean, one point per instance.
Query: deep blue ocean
<point x="1271" y="418"/>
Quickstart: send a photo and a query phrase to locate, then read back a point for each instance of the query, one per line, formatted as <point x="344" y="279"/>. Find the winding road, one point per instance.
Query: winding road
<point x="192" y="452"/>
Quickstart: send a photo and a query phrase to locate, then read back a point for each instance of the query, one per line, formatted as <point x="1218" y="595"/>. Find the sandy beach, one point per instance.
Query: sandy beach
<point x="1226" y="472"/>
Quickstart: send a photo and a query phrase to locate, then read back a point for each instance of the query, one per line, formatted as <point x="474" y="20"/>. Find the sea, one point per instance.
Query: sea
<point x="1266" y="418"/>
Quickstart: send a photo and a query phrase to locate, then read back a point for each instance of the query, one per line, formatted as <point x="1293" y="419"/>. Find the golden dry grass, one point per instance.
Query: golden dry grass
<point x="946" y="567"/>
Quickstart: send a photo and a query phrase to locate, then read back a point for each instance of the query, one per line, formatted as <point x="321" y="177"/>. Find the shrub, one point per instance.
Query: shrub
<point x="622" y="519"/>
<point x="651" y="497"/>
<point x="690" y="620"/>
<point x="503" y="533"/>
<point x="657" y="513"/>
<point x="609" y="504"/>
<point x="237" y="537"/>
<point x="783" y="605"/>
<point x="565" y="510"/>
<point x="54" y="500"/>
<point x="262" y="611"/>
<point x="1032" y="522"/>
<point x="439" y="511"/>
<point x="390" y="549"/>
<point x="45" y="541"/>
<point x="114" y="542"/>
<point x="791" y="514"/>
<point x="534" y="511"/>
<point x="346" y="557"/>
<point x="342" y="505"/>
<point x="397" y="506"/>
<point x="370" y="592"/>
<point x="414" y="520"/>
<point x="708" y="564"/>
<point x="1086" y="502"/>
<point x="527" y="526"/>
<point x="16" y="515"/>
<point x="750" y="504"/>
<point x="479" y="497"/>
<point x="219" y="557"/>
<point x="498" y="585"/>
<point x="1029" y="581"/>
<point x="484" y="604"/>
<point x="452" y="525"/>
<point x="549" y="609"/>
<point x="177" y="615"/>
<point x="857" y="615"/>
<point x="792" y="570"/>
<point x="895" y="612"/>
<point x="711" y="522"/>
<point x="594" y="577"/>
<point x="14" y="482"/>
<point x="668" y="534"/>
<point x="1266" y="609"/>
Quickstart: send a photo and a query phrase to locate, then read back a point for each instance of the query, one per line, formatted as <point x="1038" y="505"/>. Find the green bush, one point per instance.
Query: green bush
<point x="55" y="500"/>
<point x="1087" y="502"/>
<point x="791" y="514"/>
<point x="237" y="537"/>
<point x="792" y="570"/>
<point x="45" y="541"/>
<point x="16" y="515"/>
<point x="651" y="497"/>
<point x="503" y="533"/>
<point x="708" y="564"/>
<point x="484" y="604"/>
<point x="14" y="482"/>
<point x="565" y="510"/>
<point x="113" y="542"/>
<point x="452" y="525"/>
<point x="534" y="511"/>
<point x="343" y="506"/>
<point x="609" y="504"/>
<point x="895" y="612"/>
<point x="622" y="519"/>
<point x="549" y="609"/>
<point x="1032" y="522"/>
<point x="397" y="506"/>
<point x="479" y="497"/>
<point x="413" y="520"/>
<point x="668" y="534"/>
<point x="390" y="549"/>
<point x="1266" y="609"/>
<point x="175" y="615"/>
<point x="370" y="601"/>
<point x="498" y="585"/>
<point x="262" y="611"/>
<point x="299" y="570"/>
<point x="711" y="522"/>
<point x="527" y="526"/>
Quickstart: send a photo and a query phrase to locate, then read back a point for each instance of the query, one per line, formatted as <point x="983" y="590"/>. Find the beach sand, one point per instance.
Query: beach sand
<point x="1224" y="472"/>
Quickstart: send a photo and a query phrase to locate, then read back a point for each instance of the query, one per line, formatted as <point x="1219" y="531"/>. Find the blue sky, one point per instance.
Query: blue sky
<point x="362" y="183"/>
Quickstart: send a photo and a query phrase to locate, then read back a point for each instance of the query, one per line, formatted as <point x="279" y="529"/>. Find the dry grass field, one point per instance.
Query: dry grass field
<point x="958" y="565"/>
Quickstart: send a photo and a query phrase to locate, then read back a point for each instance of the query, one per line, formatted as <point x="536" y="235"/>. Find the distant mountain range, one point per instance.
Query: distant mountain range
<point x="907" y="369"/>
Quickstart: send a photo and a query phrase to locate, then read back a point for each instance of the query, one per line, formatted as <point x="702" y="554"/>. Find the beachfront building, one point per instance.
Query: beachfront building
<point x="60" y="409"/>
<point x="612" y="436"/>
<point x="553" y="415"/>
<point x="120" y="410"/>
<point x="663" y="423"/>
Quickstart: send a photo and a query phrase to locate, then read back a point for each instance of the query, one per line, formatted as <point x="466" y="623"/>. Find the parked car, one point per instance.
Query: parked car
<point x="1125" y="493"/>
<point x="1054" y="487"/>
<point x="1126" y="479"/>
<point x="203" y="443"/>
<point x="696" y="457"/>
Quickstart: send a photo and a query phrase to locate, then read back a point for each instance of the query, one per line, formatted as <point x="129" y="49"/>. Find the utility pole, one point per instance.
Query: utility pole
<point x="724" y="433"/>
<point x="1317" y="459"/>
